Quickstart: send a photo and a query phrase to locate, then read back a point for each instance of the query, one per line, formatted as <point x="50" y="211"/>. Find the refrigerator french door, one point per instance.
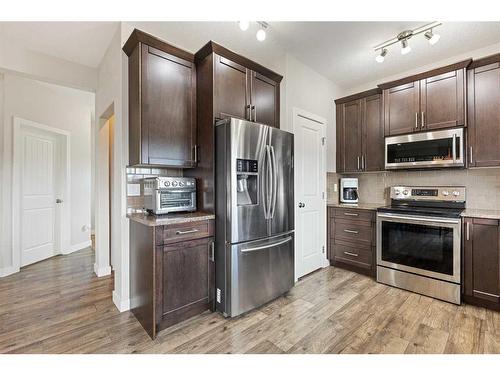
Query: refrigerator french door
<point x="254" y="215"/>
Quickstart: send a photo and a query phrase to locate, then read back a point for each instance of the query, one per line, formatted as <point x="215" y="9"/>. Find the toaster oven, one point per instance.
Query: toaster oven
<point x="163" y="195"/>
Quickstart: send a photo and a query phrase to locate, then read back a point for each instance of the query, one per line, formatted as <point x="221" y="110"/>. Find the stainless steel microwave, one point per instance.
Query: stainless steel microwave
<point x="434" y="149"/>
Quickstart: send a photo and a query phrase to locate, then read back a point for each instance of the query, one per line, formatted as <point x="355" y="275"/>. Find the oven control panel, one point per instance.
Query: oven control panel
<point x="428" y="193"/>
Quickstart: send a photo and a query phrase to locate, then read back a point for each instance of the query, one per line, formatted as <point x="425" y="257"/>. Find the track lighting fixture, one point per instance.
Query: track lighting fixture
<point x="380" y="58"/>
<point x="404" y="38"/>
<point x="432" y="37"/>
<point x="261" y="33"/>
<point x="405" y="47"/>
<point x="244" y="25"/>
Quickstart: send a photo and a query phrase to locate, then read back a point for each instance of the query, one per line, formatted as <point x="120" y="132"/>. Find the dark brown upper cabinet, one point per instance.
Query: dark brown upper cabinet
<point x="229" y="85"/>
<point x="243" y="93"/>
<point x="484" y="112"/>
<point x="482" y="262"/>
<point x="162" y="103"/>
<point x="360" y="134"/>
<point x="426" y="101"/>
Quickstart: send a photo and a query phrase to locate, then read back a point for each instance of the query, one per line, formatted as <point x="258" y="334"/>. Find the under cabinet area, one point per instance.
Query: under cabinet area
<point x="162" y="103"/>
<point x="171" y="268"/>
<point x="428" y="101"/>
<point x="351" y="239"/>
<point x="481" y="263"/>
<point x="360" y="132"/>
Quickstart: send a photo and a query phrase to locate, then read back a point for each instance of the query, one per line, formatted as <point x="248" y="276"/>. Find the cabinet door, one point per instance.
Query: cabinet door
<point x="231" y="89"/>
<point x="482" y="262"/>
<point x="264" y="100"/>
<point x="442" y="101"/>
<point x="352" y="134"/>
<point x="373" y="134"/>
<point x="185" y="280"/>
<point x="484" y="116"/>
<point x="402" y="107"/>
<point x="169" y="108"/>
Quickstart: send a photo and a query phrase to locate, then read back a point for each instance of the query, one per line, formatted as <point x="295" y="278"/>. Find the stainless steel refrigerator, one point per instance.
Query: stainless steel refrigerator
<point x="254" y="245"/>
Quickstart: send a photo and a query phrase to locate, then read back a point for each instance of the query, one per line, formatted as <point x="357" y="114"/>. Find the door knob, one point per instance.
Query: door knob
<point x="59" y="200"/>
<point x="301" y="205"/>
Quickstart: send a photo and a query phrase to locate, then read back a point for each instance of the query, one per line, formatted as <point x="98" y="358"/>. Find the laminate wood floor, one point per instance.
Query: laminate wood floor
<point x="60" y="306"/>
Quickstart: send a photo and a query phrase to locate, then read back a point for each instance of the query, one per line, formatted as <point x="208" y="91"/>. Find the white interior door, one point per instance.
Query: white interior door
<point x="310" y="193"/>
<point x="38" y="197"/>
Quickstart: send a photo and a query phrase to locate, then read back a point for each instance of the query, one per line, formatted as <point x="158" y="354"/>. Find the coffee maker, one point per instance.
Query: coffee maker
<point x="349" y="190"/>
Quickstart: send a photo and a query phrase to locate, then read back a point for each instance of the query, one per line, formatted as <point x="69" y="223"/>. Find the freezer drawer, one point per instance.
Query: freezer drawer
<point x="261" y="271"/>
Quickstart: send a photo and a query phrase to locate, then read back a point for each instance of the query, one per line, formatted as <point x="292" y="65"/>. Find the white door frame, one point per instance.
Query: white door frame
<point x="297" y="112"/>
<point x="65" y="209"/>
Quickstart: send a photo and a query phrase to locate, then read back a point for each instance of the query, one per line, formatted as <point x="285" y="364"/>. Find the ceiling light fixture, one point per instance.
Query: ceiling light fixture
<point x="380" y="58"/>
<point x="432" y="37"/>
<point x="244" y="25"/>
<point x="404" y="37"/>
<point x="261" y="33"/>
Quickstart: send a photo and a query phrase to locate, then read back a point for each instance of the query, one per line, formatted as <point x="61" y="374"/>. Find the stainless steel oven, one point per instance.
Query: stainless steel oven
<point x="434" y="149"/>
<point x="163" y="195"/>
<point x="419" y="241"/>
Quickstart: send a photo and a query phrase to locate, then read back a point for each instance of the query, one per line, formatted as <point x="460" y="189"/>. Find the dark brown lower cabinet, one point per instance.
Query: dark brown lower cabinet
<point x="351" y="239"/>
<point x="171" y="272"/>
<point x="482" y="262"/>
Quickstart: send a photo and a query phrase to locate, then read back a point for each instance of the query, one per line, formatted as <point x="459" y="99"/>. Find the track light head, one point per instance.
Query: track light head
<point x="432" y="37"/>
<point x="405" y="47"/>
<point x="381" y="57"/>
<point x="261" y="33"/>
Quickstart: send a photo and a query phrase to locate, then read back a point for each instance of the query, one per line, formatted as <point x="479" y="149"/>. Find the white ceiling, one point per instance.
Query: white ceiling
<point x="341" y="51"/>
<point x="79" y="42"/>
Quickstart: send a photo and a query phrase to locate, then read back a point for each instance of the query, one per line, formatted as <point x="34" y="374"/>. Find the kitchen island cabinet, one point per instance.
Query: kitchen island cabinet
<point x="171" y="268"/>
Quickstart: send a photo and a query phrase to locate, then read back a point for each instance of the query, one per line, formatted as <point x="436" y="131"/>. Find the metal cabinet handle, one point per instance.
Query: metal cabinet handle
<point x="249" y="112"/>
<point x="212" y="251"/>
<point x="351" y="254"/>
<point x="363" y="162"/>
<point x="470" y="161"/>
<point x="254" y="113"/>
<point x="467" y="230"/>
<point x="351" y="231"/>
<point x="422" y="120"/>
<point x="186" y="231"/>
<point x="195" y="158"/>
<point x="350" y="214"/>
<point x="416" y="120"/>
<point x="358" y="163"/>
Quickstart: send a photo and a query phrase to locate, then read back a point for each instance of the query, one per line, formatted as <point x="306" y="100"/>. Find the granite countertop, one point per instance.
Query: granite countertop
<point x="481" y="213"/>
<point x="168" y="219"/>
<point x="360" y="206"/>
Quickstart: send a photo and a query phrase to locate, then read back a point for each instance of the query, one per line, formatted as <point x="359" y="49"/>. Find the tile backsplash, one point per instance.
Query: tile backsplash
<point x="482" y="184"/>
<point x="135" y="202"/>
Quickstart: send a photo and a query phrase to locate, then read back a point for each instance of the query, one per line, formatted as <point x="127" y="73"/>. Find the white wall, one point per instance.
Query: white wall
<point x="308" y="90"/>
<point x="112" y="92"/>
<point x="58" y="107"/>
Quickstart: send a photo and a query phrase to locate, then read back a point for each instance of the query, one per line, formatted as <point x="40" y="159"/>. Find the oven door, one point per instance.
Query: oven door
<point x="428" y="246"/>
<point x="175" y="200"/>
<point x="435" y="149"/>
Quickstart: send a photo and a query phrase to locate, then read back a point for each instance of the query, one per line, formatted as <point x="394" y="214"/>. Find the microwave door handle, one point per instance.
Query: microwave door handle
<point x="454" y="151"/>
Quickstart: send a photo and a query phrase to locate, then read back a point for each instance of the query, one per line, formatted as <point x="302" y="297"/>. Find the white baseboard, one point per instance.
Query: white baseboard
<point x="78" y="246"/>
<point x="6" y="271"/>
<point x="120" y="305"/>
<point x="102" y="271"/>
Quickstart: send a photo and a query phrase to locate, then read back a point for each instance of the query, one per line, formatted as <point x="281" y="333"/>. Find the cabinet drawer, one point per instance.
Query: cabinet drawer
<point x="353" y="255"/>
<point x="353" y="214"/>
<point x="185" y="231"/>
<point x="351" y="230"/>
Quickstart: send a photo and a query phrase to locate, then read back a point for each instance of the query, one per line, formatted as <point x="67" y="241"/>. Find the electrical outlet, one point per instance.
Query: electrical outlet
<point x="335" y="188"/>
<point x="218" y="295"/>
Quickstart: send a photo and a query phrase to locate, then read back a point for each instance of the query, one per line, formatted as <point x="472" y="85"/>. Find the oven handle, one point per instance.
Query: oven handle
<point x="420" y="218"/>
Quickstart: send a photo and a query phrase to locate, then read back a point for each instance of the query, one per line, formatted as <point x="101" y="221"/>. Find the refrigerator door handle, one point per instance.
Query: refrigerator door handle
<point x="268" y="184"/>
<point x="275" y="183"/>
<point x="267" y="246"/>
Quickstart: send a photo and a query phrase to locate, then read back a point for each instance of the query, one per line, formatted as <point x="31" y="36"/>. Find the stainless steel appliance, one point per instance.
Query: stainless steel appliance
<point x="254" y="215"/>
<point x="419" y="240"/>
<point x="163" y="195"/>
<point x="434" y="149"/>
<point x="349" y="190"/>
